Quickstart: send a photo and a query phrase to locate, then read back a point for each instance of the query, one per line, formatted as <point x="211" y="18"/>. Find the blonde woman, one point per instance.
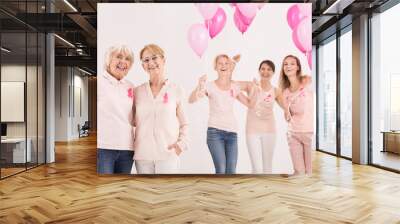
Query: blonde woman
<point x="114" y="113"/>
<point x="222" y="124"/>
<point x="161" y="124"/>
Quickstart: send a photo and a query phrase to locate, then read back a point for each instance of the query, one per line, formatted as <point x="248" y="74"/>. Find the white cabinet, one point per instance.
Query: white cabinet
<point x="19" y="155"/>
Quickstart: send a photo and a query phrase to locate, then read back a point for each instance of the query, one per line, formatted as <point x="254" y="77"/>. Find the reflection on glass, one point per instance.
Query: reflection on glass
<point x="22" y="91"/>
<point x="327" y="97"/>
<point x="394" y="101"/>
<point x="31" y="101"/>
<point x="41" y="99"/>
<point x="385" y="84"/>
<point x="346" y="94"/>
<point x="13" y="86"/>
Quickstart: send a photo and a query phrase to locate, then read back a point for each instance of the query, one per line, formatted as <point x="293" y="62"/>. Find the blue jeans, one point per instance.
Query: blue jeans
<point x="224" y="150"/>
<point x="110" y="161"/>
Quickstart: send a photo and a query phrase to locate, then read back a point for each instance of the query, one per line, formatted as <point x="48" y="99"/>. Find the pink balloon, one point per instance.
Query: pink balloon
<point x="198" y="38"/>
<point x="217" y="23"/>
<point x="297" y="42"/>
<point x="309" y="58"/>
<point x="294" y="16"/>
<point x="207" y="10"/>
<point x="302" y="35"/>
<point x="246" y="20"/>
<point x="248" y="9"/>
<point x="242" y="27"/>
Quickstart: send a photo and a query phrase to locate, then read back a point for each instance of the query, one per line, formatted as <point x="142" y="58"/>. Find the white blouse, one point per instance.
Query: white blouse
<point x="160" y="122"/>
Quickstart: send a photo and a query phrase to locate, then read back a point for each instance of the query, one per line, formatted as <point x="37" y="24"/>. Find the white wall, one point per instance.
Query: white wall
<point x="68" y="82"/>
<point x="12" y="100"/>
<point x="268" y="37"/>
<point x="314" y="78"/>
<point x="15" y="73"/>
<point x="61" y="103"/>
<point x="80" y="84"/>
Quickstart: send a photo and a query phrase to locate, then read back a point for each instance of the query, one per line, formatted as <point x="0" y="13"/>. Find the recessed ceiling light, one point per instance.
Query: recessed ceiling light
<point x="5" y="50"/>
<point x="64" y="40"/>
<point x="84" y="71"/>
<point x="70" y="5"/>
<point x="337" y="6"/>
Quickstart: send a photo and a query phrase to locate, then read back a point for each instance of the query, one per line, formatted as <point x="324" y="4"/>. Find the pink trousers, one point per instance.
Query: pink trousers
<point x="300" y="150"/>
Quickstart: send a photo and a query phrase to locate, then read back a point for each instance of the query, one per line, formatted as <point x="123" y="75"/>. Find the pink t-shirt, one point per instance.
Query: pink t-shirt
<point x="221" y="115"/>
<point x="114" y="113"/>
<point x="301" y="107"/>
<point x="261" y="119"/>
<point x="160" y="122"/>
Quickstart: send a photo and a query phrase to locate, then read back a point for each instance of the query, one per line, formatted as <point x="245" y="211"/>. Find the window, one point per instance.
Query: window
<point x="23" y="79"/>
<point x="346" y="93"/>
<point x="385" y="89"/>
<point x="327" y="96"/>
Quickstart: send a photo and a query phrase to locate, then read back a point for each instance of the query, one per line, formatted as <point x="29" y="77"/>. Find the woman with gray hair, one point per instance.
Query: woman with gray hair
<point x="115" y="97"/>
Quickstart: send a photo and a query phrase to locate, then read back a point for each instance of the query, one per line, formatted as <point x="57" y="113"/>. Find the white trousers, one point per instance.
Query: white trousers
<point x="170" y="166"/>
<point x="261" y="150"/>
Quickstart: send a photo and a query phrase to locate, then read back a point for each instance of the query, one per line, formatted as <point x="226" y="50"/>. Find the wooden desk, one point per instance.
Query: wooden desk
<point x="13" y="150"/>
<point x="391" y="141"/>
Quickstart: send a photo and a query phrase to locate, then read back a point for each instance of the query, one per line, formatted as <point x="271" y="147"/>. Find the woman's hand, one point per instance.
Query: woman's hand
<point x="201" y="86"/>
<point x="175" y="147"/>
<point x="236" y="58"/>
<point x="199" y="91"/>
<point x="202" y="80"/>
<point x="233" y="62"/>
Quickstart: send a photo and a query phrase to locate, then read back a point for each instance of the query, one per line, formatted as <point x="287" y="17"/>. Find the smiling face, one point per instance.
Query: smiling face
<point x="265" y="71"/>
<point x="290" y="67"/>
<point x="152" y="62"/>
<point x="223" y="66"/>
<point x="120" y="64"/>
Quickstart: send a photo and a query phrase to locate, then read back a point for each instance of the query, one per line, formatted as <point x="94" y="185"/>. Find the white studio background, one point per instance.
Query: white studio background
<point x="268" y="37"/>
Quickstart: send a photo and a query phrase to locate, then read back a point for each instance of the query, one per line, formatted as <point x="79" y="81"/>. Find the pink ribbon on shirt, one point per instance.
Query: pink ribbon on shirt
<point x="130" y="93"/>
<point x="302" y="92"/>
<point x="268" y="98"/>
<point x="165" y="98"/>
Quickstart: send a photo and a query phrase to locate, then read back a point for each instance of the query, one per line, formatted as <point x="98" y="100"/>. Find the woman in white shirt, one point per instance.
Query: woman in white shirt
<point x="161" y="124"/>
<point x="114" y="113"/>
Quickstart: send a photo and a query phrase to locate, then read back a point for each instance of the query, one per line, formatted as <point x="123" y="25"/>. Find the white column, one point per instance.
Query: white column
<point x="50" y="99"/>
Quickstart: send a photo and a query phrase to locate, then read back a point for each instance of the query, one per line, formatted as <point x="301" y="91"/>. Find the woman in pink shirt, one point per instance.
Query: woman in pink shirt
<point x="161" y="124"/>
<point x="299" y="98"/>
<point x="222" y="124"/>
<point x="260" y="126"/>
<point x="114" y="113"/>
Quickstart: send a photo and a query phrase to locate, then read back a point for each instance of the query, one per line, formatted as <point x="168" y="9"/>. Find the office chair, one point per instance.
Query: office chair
<point x="84" y="130"/>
